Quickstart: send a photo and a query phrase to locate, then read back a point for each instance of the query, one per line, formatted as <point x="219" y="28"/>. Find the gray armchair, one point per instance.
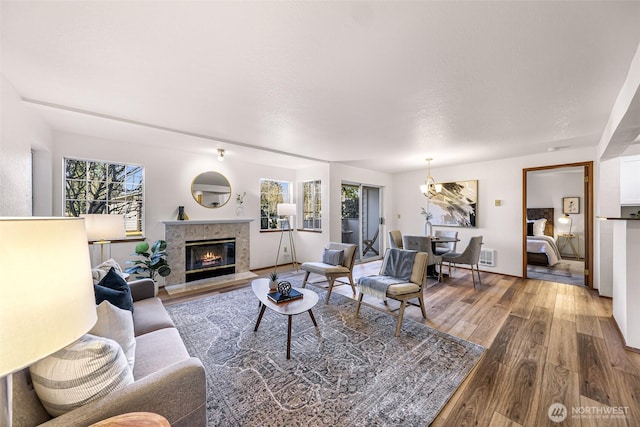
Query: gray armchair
<point x="470" y="256"/>
<point x="423" y="244"/>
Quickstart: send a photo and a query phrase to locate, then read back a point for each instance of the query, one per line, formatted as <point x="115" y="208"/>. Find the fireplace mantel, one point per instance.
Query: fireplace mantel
<point x="207" y="221"/>
<point x="177" y="233"/>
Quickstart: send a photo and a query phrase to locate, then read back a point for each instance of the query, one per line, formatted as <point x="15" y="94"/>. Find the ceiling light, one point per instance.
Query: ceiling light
<point x="220" y="154"/>
<point x="424" y="188"/>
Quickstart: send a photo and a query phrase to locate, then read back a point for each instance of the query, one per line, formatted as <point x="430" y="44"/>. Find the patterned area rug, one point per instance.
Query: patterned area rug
<point x="562" y="272"/>
<point x="350" y="371"/>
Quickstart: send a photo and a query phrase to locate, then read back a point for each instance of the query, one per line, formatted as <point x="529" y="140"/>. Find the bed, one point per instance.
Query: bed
<point x="541" y="245"/>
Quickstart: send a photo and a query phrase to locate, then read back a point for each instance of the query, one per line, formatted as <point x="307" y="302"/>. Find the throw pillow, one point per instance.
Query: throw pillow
<point x="333" y="256"/>
<point x="538" y="227"/>
<point x="530" y="228"/>
<point x="114" y="288"/>
<point x="116" y="324"/>
<point x="81" y="372"/>
<point x="101" y="270"/>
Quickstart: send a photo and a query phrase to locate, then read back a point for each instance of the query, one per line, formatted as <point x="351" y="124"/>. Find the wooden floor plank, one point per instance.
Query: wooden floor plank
<point x="499" y="420"/>
<point x="620" y="358"/>
<point x="563" y="345"/>
<point x="565" y="307"/>
<point x="629" y="393"/>
<point x="596" y="374"/>
<point x="559" y="385"/>
<point x="588" y="324"/>
<point x="592" y="413"/>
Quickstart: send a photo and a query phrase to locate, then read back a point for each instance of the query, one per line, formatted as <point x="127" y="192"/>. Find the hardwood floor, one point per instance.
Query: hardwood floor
<point x="546" y="343"/>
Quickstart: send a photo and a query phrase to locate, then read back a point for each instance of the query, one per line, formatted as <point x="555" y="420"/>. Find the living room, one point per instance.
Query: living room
<point x="40" y="128"/>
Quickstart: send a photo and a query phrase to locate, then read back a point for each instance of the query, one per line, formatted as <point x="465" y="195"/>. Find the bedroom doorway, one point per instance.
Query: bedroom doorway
<point x="558" y="223"/>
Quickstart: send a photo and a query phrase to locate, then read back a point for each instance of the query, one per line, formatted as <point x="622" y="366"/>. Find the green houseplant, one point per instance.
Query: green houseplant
<point x="152" y="262"/>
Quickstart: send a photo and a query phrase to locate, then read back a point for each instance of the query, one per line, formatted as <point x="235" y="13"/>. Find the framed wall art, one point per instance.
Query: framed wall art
<point x="455" y="205"/>
<point x="571" y="205"/>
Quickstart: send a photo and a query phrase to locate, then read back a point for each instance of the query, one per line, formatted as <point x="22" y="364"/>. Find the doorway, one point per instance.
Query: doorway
<point x="558" y="223"/>
<point x="361" y="219"/>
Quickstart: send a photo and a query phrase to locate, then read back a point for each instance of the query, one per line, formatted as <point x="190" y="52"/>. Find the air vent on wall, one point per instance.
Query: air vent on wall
<point x="488" y="257"/>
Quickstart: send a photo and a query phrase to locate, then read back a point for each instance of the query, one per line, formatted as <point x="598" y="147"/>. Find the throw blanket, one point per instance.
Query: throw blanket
<point x="397" y="269"/>
<point x="544" y="244"/>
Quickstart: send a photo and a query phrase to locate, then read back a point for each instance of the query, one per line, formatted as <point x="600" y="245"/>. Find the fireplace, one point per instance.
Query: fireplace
<point x="209" y="258"/>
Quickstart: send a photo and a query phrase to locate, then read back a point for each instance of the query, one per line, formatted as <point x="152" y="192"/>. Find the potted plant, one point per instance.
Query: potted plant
<point x="273" y="280"/>
<point x="153" y="261"/>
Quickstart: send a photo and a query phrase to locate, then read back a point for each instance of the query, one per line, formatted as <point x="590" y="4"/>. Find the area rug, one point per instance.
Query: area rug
<point x="561" y="272"/>
<point x="349" y="371"/>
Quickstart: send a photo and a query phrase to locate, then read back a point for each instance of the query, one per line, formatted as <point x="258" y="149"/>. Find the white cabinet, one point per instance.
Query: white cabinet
<point x="630" y="180"/>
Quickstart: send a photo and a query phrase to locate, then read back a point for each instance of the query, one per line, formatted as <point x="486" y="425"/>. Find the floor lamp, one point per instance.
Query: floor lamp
<point x="46" y="293"/>
<point x="288" y="210"/>
<point x="101" y="229"/>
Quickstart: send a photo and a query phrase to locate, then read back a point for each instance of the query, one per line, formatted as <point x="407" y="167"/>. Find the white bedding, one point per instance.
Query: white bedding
<point x="545" y="245"/>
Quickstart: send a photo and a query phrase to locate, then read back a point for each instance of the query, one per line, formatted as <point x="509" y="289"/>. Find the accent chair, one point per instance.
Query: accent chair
<point x="402" y="291"/>
<point x="442" y="247"/>
<point x="330" y="269"/>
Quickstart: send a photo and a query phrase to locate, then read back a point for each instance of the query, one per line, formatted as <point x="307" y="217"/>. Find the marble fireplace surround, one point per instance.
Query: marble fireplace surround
<point x="176" y="233"/>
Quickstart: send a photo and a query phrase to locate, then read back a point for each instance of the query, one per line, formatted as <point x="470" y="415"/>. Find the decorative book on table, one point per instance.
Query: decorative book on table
<point x="277" y="297"/>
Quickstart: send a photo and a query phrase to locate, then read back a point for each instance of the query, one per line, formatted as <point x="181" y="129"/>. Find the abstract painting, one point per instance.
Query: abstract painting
<point x="455" y="205"/>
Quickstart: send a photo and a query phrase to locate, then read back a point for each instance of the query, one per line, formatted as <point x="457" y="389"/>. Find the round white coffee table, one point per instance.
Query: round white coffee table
<point x="260" y="288"/>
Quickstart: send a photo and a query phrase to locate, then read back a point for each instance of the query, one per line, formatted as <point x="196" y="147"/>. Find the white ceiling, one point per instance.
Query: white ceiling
<point x="380" y="85"/>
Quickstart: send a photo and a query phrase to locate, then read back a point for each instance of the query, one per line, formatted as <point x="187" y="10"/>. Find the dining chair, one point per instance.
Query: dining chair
<point x="424" y="244"/>
<point x="444" y="247"/>
<point x="395" y="239"/>
<point x="470" y="256"/>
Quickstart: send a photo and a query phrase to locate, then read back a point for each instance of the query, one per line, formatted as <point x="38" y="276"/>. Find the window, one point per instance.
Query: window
<point x="94" y="187"/>
<point x="271" y="193"/>
<point x="312" y="205"/>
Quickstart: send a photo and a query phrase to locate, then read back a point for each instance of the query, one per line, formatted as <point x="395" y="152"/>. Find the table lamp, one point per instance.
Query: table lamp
<point x="46" y="293"/>
<point x="288" y="210"/>
<point x="566" y="219"/>
<point x="101" y="229"/>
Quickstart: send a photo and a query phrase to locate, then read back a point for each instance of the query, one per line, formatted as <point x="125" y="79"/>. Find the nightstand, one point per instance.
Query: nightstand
<point x="564" y="238"/>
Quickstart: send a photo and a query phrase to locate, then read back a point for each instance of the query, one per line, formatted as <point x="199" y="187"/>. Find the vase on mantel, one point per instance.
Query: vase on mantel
<point x="428" y="229"/>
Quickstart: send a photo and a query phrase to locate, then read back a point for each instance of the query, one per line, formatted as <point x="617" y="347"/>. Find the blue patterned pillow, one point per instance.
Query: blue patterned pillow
<point x="333" y="256"/>
<point x="114" y="288"/>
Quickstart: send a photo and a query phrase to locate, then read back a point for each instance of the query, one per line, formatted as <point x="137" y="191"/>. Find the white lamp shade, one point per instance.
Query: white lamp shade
<point x="286" y="209"/>
<point x="104" y="227"/>
<point x="46" y="289"/>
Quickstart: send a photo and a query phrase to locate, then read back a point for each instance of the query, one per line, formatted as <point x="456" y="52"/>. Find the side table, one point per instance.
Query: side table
<point x="564" y="238"/>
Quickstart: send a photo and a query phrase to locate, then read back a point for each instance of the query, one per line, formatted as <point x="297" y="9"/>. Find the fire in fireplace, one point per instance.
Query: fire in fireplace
<point x="209" y="258"/>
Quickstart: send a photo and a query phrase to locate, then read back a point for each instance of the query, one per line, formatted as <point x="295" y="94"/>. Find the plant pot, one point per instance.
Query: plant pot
<point x="273" y="285"/>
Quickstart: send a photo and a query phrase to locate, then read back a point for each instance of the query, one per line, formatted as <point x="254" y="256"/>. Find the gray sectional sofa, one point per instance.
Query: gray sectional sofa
<point x="167" y="381"/>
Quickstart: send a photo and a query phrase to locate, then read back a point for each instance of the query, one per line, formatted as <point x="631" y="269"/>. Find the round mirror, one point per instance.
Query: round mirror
<point x="211" y="189"/>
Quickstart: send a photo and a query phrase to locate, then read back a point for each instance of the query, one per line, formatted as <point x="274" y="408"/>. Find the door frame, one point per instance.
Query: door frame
<point x="588" y="216"/>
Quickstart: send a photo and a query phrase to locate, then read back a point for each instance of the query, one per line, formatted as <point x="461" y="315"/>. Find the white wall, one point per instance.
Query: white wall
<point x="500" y="226"/>
<point x="21" y="131"/>
<point x="168" y="176"/>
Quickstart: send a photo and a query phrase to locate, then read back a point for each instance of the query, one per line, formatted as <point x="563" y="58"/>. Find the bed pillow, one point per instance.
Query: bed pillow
<point x="333" y="256"/>
<point x="83" y="371"/>
<point x="114" y="288"/>
<point x="116" y="324"/>
<point x="529" y="228"/>
<point x="538" y="227"/>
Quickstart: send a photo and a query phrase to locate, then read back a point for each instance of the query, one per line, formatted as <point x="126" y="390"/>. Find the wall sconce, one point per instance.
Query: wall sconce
<point x="220" y="154"/>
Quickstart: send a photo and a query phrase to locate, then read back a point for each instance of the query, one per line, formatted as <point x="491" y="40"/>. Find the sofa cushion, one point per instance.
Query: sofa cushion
<point x="116" y="324"/>
<point x="156" y="350"/>
<point x="114" y="288"/>
<point x="150" y="315"/>
<point x="85" y="370"/>
<point x="322" y="268"/>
